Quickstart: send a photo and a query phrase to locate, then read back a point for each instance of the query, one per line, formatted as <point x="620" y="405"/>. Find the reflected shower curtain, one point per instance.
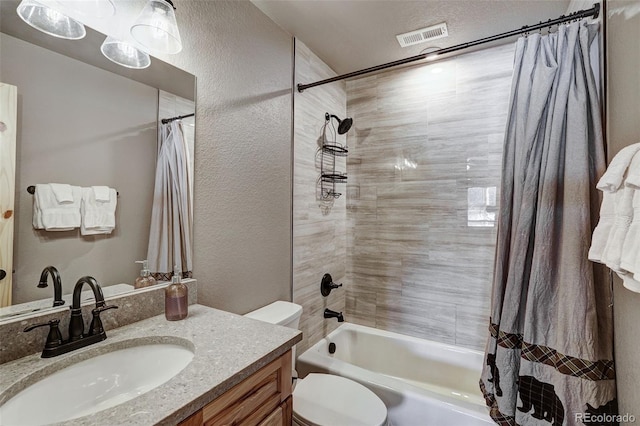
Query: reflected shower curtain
<point x="171" y="216"/>
<point x="549" y="356"/>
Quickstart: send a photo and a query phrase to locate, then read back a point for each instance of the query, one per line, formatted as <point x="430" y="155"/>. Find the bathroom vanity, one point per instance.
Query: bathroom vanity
<point x="240" y="372"/>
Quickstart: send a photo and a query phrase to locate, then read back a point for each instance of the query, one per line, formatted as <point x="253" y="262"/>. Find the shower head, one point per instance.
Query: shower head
<point x="343" y="125"/>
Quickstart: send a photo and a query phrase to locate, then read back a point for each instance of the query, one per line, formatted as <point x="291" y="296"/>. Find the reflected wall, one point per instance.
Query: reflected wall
<point x="79" y="125"/>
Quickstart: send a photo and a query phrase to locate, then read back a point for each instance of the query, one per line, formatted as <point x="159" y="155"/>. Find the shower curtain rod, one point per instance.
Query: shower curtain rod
<point x="593" y="12"/>
<point x="180" y="117"/>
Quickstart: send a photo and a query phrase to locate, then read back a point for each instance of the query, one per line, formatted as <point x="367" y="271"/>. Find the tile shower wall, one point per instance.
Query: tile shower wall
<point x="424" y="174"/>
<point x="319" y="237"/>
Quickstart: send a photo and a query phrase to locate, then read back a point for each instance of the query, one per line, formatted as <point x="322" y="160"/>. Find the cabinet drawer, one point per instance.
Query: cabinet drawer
<point x="264" y="394"/>
<point x="253" y="400"/>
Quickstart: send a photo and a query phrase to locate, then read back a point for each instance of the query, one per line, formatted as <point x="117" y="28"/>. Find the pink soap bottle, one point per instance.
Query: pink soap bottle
<point x="176" y="295"/>
<point x="145" y="279"/>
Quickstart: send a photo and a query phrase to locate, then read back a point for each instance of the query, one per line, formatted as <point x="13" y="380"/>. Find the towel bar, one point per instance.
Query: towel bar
<point x="31" y="189"/>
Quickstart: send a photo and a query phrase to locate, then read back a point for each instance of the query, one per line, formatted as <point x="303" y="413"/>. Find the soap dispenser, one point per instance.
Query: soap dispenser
<point x="145" y="279"/>
<point x="176" y="302"/>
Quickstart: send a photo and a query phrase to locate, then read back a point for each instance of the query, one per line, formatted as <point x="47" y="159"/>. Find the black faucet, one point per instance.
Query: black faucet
<point x="328" y="313"/>
<point x="76" y="322"/>
<point x="57" y="284"/>
<point x="54" y="345"/>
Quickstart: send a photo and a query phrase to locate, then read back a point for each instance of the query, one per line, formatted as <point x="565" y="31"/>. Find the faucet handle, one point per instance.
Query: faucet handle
<point x="96" y="323"/>
<point x="54" y="338"/>
<point x="327" y="284"/>
<point x="102" y="309"/>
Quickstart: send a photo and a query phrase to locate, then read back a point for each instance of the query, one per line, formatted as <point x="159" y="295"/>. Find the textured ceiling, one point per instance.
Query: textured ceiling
<point x="354" y="34"/>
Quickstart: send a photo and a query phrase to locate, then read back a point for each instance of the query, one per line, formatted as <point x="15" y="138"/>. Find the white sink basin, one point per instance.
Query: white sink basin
<point x="95" y="384"/>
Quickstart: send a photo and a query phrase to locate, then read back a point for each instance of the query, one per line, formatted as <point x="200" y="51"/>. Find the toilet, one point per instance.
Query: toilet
<point x="324" y="399"/>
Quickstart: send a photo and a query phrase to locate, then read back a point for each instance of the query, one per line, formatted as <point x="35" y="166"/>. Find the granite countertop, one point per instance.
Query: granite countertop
<point x="228" y="348"/>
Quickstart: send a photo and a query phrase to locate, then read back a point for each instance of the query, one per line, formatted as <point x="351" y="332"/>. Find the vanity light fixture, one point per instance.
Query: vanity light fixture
<point x="91" y="8"/>
<point x="156" y="28"/>
<point x="50" y="21"/>
<point x="123" y="53"/>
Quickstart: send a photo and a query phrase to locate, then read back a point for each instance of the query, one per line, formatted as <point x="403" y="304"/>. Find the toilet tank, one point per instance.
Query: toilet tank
<point x="282" y="313"/>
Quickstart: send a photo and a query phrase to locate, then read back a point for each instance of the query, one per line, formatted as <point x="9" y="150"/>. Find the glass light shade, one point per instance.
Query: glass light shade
<point x="93" y="8"/>
<point x="50" y="21"/>
<point x="123" y="53"/>
<point x="156" y="28"/>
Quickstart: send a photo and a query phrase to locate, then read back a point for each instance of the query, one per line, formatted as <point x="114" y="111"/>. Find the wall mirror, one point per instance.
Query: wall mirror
<point x="84" y="121"/>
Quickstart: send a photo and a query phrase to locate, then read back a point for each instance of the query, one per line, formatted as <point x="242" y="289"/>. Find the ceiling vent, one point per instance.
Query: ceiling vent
<point x="423" y="35"/>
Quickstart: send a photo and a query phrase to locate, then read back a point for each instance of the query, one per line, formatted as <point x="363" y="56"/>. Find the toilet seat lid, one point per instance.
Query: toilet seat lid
<point x="325" y="399"/>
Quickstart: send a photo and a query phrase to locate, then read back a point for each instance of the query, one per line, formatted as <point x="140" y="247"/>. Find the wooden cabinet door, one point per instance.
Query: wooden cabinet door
<point x="8" y="123"/>
<point x="262" y="399"/>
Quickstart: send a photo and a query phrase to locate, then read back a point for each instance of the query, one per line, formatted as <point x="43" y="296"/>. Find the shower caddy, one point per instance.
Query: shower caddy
<point x="329" y="176"/>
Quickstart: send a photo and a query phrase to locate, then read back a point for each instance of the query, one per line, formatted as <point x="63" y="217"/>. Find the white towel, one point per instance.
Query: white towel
<point x="612" y="179"/>
<point x="98" y="217"/>
<point x="603" y="230"/>
<point x="37" y="213"/>
<point x="623" y="208"/>
<point x="101" y="193"/>
<point x="51" y="215"/>
<point x="632" y="178"/>
<point x="62" y="192"/>
<point x="629" y="283"/>
<point x="630" y="259"/>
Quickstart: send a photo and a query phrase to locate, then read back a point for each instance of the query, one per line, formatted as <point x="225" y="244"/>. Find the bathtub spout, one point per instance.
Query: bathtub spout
<point x="328" y="313"/>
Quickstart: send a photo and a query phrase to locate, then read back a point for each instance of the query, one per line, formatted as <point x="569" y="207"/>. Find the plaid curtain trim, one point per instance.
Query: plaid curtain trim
<point x="506" y="340"/>
<point x="166" y="276"/>
<point x="565" y="364"/>
<point x="569" y="365"/>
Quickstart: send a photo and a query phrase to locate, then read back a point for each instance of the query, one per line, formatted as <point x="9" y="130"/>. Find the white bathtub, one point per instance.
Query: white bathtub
<point x="423" y="383"/>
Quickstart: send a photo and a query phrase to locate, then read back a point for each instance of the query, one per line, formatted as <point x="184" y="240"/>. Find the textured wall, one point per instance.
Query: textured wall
<point x="83" y="126"/>
<point x="623" y="103"/>
<point x="424" y="176"/>
<point x="242" y="206"/>
<point x="319" y="237"/>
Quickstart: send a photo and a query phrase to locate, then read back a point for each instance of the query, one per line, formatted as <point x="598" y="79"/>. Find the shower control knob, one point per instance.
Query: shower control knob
<point x="327" y="284"/>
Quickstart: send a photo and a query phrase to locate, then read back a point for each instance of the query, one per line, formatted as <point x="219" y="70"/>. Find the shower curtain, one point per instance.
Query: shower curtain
<point x="171" y="216"/>
<point x="549" y="354"/>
